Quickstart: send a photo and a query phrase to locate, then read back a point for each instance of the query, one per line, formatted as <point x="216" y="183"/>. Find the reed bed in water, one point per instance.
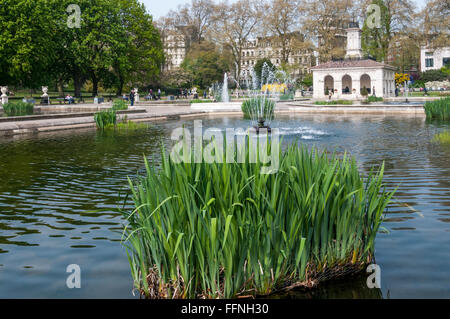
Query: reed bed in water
<point x="223" y="230"/>
<point x="438" y="109"/>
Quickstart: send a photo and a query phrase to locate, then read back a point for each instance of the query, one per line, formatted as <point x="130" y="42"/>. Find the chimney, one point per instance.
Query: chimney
<point x="353" y="41"/>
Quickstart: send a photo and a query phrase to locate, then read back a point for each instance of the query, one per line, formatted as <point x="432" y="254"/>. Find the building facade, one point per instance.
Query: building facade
<point x="346" y="79"/>
<point x="174" y="44"/>
<point x="433" y="59"/>
<point x="299" y="60"/>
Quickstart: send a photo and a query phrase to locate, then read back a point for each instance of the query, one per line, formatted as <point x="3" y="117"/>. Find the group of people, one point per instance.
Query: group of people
<point x="152" y="96"/>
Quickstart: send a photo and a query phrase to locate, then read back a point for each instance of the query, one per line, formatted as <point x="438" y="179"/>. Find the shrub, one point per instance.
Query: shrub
<point x="105" y="118"/>
<point x="364" y="91"/>
<point x="286" y="97"/>
<point x="119" y="105"/>
<point x="222" y="230"/>
<point x="374" y="99"/>
<point x="258" y="107"/>
<point x="439" y="109"/>
<point x="19" y="108"/>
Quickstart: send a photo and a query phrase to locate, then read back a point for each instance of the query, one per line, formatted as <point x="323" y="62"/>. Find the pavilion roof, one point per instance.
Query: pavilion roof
<point x="359" y="63"/>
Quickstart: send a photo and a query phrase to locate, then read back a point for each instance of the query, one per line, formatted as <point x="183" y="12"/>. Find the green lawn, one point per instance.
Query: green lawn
<point x="433" y="93"/>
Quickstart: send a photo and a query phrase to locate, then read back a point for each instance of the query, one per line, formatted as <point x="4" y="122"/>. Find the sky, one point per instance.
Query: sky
<point x="159" y="8"/>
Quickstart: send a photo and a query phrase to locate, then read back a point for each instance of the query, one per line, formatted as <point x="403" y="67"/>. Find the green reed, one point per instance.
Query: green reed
<point x="438" y="109"/>
<point x="258" y="107"/>
<point x="105" y="118"/>
<point x="19" y="108"/>
<point x="222" y="230"/>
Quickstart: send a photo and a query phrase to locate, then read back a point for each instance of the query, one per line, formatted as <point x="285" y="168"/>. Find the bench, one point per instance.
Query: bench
<point x="99" y="100"/>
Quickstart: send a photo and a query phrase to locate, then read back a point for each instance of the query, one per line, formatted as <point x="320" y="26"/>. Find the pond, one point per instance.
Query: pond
<point x="59" y="195"/>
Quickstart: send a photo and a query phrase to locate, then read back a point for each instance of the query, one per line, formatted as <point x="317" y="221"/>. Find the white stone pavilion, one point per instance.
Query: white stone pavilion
<point x="347" y="77"/>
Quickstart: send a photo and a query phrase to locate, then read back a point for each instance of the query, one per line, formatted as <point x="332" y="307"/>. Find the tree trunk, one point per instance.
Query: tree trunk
<point x="120" y="87"/>
<point x="77" y="83"/>
<point x="60" y="87"/>
<point x="94" y="85"/>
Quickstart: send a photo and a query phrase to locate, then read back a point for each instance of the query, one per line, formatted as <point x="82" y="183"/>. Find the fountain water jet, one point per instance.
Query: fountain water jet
<point x="225" y="96"/>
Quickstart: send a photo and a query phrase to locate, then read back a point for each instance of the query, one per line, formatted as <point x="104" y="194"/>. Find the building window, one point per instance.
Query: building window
<point x="429" y="63"/>
<point x="429" y="53"/>
<point x="445" y="61"/>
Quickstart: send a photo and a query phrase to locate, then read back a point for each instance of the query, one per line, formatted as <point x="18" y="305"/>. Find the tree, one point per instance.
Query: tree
<point x="281" y="23"/>
<point x="258" y="68"/>
<point x="197" y="16"/>
<point x="116" y="42"/>
<point x="177" y="78"/>
<point x="233" y="25"/>
<point x="435" y="23"/>
<point x="401" y="78"/>
<point x="396" y="16"/>
<point x="404" y="51"/>
<point x="326" y="22"/>
<point x="206" y="63"/>
<point x="138" y="58"/>
<point x="307" y="80"/>
<point x="26" y="53"/>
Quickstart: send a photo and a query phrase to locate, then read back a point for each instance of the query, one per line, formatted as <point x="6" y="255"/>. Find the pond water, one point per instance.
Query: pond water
<point x="59" y="193"/>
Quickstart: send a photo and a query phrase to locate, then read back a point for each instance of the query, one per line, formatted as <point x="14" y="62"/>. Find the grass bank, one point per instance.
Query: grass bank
<point x="223" y="230"/>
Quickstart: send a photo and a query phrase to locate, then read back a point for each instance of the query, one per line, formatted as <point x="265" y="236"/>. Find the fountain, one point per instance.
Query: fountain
<point x="264" y="91"/>
<point x="225" y="96"/>
<point x="266" y="88"/>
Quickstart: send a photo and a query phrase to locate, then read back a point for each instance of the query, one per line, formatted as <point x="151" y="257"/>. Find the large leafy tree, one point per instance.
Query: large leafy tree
<point x="27" y="49"/>
<point x="396" y="16"/>
<point x="115" y="44"/>
<point x="206" y="63"/>
<point x="139" y="57"/>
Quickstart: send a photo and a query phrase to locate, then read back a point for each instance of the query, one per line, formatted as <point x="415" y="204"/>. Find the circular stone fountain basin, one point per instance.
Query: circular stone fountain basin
<point x="217" y="106"/>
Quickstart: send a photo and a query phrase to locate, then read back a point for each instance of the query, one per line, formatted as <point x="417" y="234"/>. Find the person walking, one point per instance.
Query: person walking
<point x="151" y="94"/>
<point x="132" y="97"/>
<point x="159" y="94"/>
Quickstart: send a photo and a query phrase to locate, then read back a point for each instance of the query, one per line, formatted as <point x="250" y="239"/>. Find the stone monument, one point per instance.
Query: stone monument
<point x="45" y="98"/>
<point x="4" y="89"/>
<point x="136" y="95"/>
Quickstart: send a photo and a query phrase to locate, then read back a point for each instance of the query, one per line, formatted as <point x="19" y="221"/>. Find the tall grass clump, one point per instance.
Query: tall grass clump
<point x="439" y="109"/>
<point x="19" y="108"/>
<point x="224" y="230"/>
<point x="374" y="99"/>
<point x="119" y="105"/>
<point x="106" y="118"/>
<point x="258" y="107"/>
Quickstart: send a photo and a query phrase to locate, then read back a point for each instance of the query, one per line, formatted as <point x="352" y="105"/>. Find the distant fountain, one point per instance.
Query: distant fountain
<point x="225" y="96"/>
<point x="264" y="90"/>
